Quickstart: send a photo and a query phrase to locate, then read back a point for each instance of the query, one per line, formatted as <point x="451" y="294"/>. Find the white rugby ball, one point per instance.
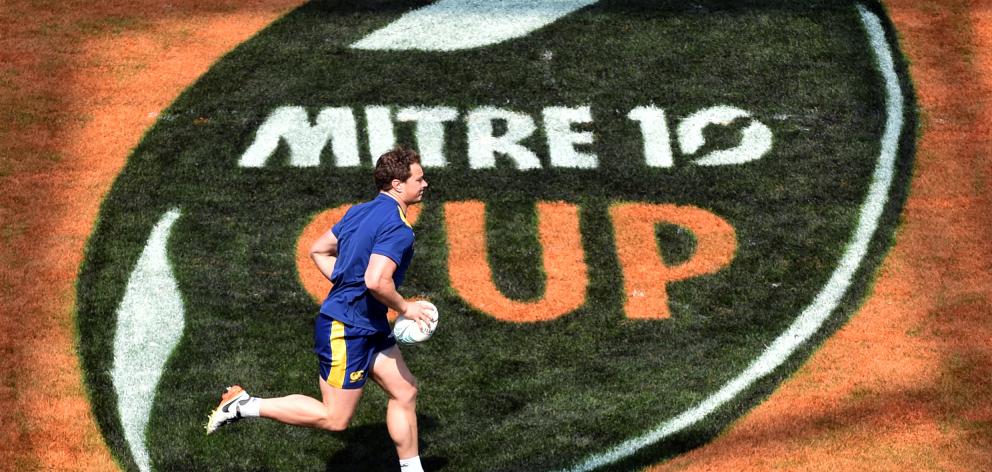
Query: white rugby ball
<point x="408" y="331"/>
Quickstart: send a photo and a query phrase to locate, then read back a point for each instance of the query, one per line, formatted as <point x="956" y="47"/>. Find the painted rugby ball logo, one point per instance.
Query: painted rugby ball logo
<point x="642" y="216"/>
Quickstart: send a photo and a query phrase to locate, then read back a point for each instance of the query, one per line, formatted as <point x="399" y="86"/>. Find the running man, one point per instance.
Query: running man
<point x="365" y="256"/>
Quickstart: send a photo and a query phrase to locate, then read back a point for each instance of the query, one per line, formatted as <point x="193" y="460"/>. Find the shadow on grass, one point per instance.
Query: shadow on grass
<point x="369" y="448"/>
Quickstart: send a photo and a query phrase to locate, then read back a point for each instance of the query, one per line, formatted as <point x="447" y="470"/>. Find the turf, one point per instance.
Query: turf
<point x="561" y="389"/>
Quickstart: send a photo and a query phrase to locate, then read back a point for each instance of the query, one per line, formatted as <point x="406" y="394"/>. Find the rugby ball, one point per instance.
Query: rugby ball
<point x="407" y="331"/>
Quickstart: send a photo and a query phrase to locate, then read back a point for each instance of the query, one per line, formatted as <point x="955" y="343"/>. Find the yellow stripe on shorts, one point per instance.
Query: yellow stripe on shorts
<point x="339" y="355"/>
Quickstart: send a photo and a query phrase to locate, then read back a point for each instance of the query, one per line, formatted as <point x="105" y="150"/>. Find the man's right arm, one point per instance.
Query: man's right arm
<point x="324" y="253"/>
<point x="379" y="280"/>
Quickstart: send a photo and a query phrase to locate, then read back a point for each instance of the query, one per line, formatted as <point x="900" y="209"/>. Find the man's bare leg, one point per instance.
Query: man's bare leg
<point x="391" y="373"/>
<point x="332" y="414"/>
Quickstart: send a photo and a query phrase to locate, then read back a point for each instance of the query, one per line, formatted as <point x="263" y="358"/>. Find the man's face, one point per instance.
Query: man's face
<point x="413" y="187"/>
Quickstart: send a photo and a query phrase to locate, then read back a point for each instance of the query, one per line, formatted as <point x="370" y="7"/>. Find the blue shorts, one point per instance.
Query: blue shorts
<point x="345" y="353"/>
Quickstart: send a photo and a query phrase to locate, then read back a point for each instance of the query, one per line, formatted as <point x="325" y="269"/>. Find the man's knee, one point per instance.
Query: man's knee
<point x="334" y="422"/>
<point x="335" y="426"/>
<point x="407" y="394"/>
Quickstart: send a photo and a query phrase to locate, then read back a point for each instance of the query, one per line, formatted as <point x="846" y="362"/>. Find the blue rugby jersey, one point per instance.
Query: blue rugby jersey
<point x="374" y="227"/>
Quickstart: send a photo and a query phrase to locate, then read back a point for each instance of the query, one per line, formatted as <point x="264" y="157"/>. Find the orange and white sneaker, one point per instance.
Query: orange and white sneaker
<point x="229" y="409"/>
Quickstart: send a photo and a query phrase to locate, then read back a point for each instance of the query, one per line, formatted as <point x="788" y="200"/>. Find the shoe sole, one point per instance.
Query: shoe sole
<point x="229" y="397"/>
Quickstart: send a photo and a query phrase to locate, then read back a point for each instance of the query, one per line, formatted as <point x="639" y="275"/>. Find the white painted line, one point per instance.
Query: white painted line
<point x="450" y="25"/>
<point x="810" y="320"/>
<point x="149" y="324"/>
<point x="756" y="138"/>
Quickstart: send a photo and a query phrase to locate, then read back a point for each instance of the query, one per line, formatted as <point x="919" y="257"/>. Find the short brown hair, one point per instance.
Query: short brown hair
<point x="394" y="164"/>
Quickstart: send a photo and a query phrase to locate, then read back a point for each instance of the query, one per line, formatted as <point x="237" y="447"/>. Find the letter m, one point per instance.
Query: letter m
<point x="306" y="142"/>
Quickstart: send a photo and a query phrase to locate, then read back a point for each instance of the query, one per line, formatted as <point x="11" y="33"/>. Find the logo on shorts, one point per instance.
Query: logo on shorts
<point x="685" y="198"/>
<point x="356" y="376"/>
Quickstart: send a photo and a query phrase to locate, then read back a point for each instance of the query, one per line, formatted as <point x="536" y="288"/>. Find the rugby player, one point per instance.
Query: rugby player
<point x="365" y="256"/>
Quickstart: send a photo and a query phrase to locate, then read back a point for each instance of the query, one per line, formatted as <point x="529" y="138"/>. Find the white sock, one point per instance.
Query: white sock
<point x="411" y="465"/>
<point x="251" y="408"/>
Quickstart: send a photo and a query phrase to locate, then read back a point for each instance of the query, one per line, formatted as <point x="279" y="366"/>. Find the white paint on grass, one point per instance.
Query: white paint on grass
<point x="429" y="131"/>
<point x="450" y="25"/>
<point x="306" y="141"/>
<point x="150" y="322"/>
<point x="292" y="124"/>
<point x="562" y="130"/>
<point x="382" y="136"/>
<point x="756" y="139"/>
<point x="810" y="320"/>
<point x="657" y="139"/>
<point x="562" y="138"/>
<point x="483" y="146"/>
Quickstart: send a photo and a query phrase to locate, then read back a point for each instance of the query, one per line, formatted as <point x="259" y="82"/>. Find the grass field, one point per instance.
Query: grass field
<point x="918" y="338"/>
